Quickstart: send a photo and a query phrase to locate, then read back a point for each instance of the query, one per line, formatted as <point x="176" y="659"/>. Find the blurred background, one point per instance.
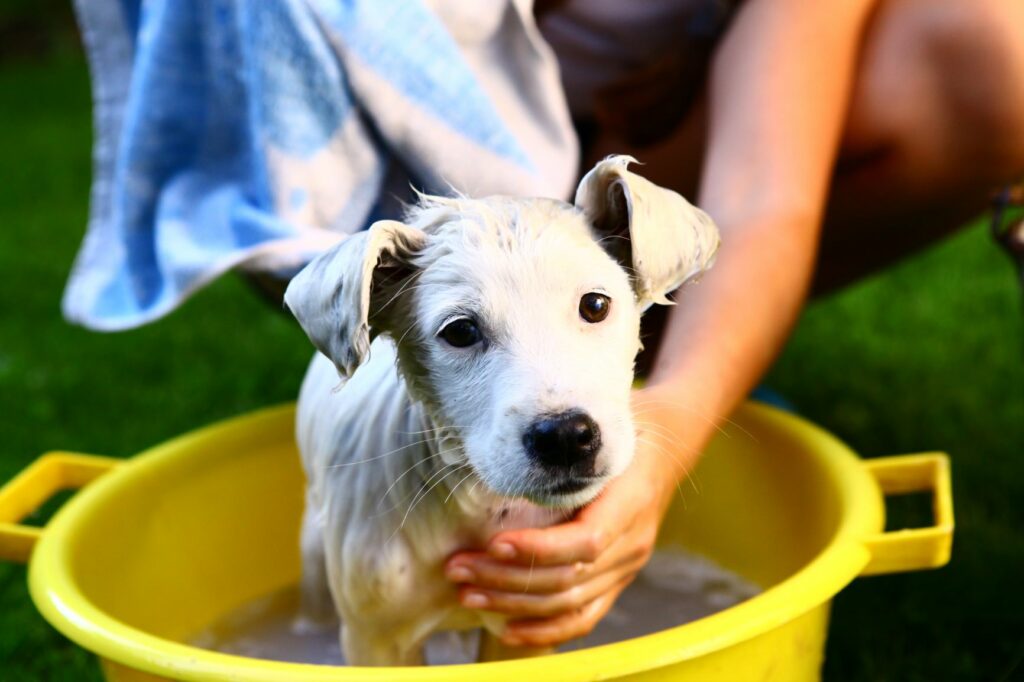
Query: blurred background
<point x="927" y="356"/>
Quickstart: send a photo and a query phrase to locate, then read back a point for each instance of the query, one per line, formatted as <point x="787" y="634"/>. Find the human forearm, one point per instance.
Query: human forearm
<point x="724" y="332"/>
<point x="778" y="92"/>
<point x="772" y="140"/>
<point x="730" y="325"/>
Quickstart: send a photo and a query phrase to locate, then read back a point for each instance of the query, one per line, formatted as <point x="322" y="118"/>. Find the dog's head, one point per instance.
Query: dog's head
<point x="516" y="320"/>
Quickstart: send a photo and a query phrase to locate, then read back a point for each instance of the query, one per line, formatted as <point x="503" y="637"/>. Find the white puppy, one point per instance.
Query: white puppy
<point x="486" y="349"/>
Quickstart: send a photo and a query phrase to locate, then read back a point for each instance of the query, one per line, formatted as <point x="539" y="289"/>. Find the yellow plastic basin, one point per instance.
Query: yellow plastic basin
<point x="162" y="545"/>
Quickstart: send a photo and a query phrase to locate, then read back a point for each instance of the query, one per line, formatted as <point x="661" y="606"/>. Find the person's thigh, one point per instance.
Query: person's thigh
<point x="935" y="124"/>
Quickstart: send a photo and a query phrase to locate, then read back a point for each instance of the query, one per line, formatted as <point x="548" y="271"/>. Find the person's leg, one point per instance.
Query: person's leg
<point x="936" y="123"/>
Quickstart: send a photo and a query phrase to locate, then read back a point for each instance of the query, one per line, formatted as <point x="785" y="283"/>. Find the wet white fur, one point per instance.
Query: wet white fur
<point x="418" y="453"/>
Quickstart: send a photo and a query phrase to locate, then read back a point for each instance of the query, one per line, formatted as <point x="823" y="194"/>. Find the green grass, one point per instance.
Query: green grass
<point x="62" y="387"/>
<point x="928" y="356"/>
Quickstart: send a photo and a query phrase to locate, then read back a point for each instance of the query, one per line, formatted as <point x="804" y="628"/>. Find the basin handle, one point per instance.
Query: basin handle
<point x="912" y="549"/>
<point x="26" y="492"/>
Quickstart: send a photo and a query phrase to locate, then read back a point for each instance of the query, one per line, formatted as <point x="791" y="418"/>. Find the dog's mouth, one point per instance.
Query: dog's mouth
<point x="572" y="485"/>
<point x="571" y="491"/>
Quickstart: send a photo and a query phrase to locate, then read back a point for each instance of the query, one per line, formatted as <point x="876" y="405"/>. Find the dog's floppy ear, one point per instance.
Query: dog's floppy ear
<point x="660" y="237"/>
<point x="336" y="297"/>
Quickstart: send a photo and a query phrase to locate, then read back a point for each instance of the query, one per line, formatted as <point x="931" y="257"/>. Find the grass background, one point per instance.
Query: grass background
<point x="929" y="355"/>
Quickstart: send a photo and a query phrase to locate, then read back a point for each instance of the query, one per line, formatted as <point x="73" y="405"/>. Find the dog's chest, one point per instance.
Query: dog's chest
<point x="446" y="524"/>
<point x="516" y="514"/>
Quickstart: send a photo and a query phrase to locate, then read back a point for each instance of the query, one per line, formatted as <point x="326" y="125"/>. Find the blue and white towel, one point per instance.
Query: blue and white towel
<point x="256" y="133"/>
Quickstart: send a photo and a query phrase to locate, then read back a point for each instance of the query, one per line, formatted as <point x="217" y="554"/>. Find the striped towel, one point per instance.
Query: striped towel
<point x="255" y="134"/>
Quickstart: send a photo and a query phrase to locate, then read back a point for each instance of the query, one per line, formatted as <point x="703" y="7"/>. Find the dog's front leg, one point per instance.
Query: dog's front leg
<point x="375" y="647"/>
<point x="492" y="649"/>
<point x="316" y="610"/>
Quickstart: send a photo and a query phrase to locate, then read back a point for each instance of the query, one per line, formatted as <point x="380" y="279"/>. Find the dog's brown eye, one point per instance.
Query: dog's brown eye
<point x="594" y="307"/>
<point x="461" y="333"/>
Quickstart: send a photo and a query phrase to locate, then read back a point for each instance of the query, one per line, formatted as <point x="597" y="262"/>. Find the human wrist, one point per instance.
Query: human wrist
<point x="671" y="436"/>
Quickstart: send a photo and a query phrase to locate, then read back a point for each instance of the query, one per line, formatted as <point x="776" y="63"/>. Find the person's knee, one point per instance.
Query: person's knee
<point x="976" y="55"/>
<point x="940" y="86"/>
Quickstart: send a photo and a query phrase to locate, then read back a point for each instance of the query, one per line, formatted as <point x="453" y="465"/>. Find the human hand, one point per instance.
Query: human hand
<point x="556" y="583"/>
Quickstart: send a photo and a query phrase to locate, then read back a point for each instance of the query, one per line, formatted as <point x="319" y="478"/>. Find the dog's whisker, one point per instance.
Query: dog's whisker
<point x="669" y="445"/>
<point x="643" y="435"/>
<point x="659" y="429"/>
<point x="414" y="465"/>
<point x="428" y="491"/>
<point x="659" y="450"/>
<point x="472" y="488"/>
<point x="406" y="333"/>
<point x="675" y="445"/>
<point x="452" y="491"/>
<point x="449" y="465"/>
<point x="529" y="576"/>
<point x="713" y="419"/>
<point x="416" y="495"/>
<point x="668" y="449"/>
<point x="407" y="287"/>
<point x="652" y="429"/>
<point x="408" y="469"/>
<point x="609" y="237"/>
<point x="379" y="457"/>
<point x="514" y="494"/>
<point x="712" y="422"/>
<point x="696" y="410"/>
<point x="412" y="278"/>
<point x="434" y="429"/>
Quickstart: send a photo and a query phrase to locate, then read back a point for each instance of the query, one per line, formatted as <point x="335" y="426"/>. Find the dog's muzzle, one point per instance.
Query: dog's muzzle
<point x="565" y="444"/>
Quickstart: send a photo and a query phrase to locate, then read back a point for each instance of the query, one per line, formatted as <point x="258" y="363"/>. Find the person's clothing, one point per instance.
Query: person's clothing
<point x="256" y="134"/>
<point x="633" y="68"/>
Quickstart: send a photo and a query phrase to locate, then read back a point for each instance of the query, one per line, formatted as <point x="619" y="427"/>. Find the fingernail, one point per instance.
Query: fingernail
<point x="503" y="550"/>
<point x="475" y="600"/>
<point x="460" y="574"/>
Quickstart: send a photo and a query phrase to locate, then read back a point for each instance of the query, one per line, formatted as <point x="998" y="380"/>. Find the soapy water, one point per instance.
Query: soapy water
<point x="675" y="587"/>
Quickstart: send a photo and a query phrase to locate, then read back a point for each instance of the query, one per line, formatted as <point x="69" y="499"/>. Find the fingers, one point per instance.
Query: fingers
<point x="583" y="539"/>
<point x="482" y="571"/>
<point x="563" y="544"/>
<point x="547" y="632"/>
<point x="531" y="604"/>
<point x="526" y="605"/>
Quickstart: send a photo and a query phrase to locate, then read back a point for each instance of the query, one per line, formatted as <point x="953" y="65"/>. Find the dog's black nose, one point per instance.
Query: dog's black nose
<point x="569" y="439"/>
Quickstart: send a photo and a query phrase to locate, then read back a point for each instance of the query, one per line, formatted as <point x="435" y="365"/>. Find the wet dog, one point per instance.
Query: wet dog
<point x="486" y="350"/>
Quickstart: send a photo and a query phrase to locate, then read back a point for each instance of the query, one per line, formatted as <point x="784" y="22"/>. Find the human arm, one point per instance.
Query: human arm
<point x="778" y="91"/>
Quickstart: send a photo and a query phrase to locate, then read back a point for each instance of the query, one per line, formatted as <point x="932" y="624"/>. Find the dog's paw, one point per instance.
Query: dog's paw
<point x="305" y="625"/>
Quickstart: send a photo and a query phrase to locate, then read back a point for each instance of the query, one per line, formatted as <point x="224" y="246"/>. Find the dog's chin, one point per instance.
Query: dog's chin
<point x="571" y="493"/>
